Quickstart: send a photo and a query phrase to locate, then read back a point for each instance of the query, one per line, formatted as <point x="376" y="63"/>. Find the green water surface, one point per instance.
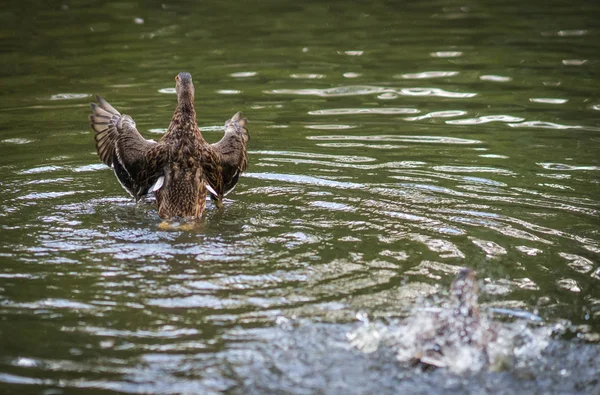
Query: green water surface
<point x="392" y="142"/>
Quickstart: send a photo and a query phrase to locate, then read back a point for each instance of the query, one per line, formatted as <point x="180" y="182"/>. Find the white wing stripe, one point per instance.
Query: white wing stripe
<point x="158" y="184"/>
<point x="211" y="190"/>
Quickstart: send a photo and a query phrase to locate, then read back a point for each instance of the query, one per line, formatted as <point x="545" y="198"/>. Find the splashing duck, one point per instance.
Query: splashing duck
<point x="180" y="169"/>
<point x="456" y="337"/>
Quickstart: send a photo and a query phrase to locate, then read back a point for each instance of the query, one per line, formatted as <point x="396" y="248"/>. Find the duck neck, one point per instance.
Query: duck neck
<point x="184" y="120"/>
<point x="186" y="112"/>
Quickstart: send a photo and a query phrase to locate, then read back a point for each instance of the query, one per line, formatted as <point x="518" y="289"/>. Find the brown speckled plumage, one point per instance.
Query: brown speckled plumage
<point x="182" y="167"/>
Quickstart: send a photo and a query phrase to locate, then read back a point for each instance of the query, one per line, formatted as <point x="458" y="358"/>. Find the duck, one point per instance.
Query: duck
<point x="457" y="332"/>
<point x="182" y="168"/>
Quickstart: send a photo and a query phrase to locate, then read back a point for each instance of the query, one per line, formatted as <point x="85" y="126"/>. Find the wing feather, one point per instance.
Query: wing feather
<point x="138" y="163"/>
<point x="232" y="151"/>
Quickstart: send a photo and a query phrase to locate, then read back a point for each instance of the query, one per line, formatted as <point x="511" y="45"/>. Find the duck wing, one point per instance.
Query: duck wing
<point x="233" y="155"/>
<point x="138" y="163"/>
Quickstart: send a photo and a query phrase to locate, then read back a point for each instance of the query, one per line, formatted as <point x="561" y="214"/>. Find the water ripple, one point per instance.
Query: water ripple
<point x="332" y="206"/>
<point x="435" y="92"/>
<point x="384" y="111"/>
<point x="548" y="100"/>
<point x="337" y="158"/>
<point x="194" y="301"/>
<point x="567" y="33"/>
<point x="51" y="303"/>
<point x="308" y="76"/>
<point x="41" y="169"/>
<point x="330" y="127"/>
<point x="47" y="195"/>
<point x="229" y="91"/>
<point x="427" y="74"/>
<point x="357" y="90"/>
<point x="495" y="78"/>
<point x="301" y="179"/>
<point x="578" y="263"/>
<point x="574" y="62"/>
<point x="566" y="167"/>
<point x="69" y="96"/>
<point x="446" y="54"/>
<point x="545" y="125"/>
<point x="472" y="169"/>
<point x="438" y="114"/>
<point x="396" y="138"/>
<point x="485" y="119"/>
<point x="18" y="141"/>
<point x="244" y="74"/>
<point x="352" y="90"/>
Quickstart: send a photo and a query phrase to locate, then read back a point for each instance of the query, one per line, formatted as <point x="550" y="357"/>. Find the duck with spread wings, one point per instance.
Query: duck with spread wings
<point x="182" y="167"/>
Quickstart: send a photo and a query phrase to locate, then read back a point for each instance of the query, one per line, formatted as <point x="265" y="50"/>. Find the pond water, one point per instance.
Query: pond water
<point x="391" y="144"/>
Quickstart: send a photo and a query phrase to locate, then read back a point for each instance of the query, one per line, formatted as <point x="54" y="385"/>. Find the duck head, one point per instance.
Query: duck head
<point x="185" y="89"/>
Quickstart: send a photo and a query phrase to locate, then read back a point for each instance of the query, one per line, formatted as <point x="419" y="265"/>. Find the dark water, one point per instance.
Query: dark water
<point x="392" y="142"/>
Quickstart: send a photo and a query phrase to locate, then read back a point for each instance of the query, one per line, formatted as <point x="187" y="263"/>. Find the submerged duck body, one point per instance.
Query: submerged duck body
<point x="457" y="332"/>
<point x="455" y="335"/>
<point x="182" y="167"/>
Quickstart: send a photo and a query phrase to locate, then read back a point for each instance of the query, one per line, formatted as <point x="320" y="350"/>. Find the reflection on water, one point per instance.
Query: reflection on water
<point x="388" y="149"/>
<point x="368" y="90"/>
